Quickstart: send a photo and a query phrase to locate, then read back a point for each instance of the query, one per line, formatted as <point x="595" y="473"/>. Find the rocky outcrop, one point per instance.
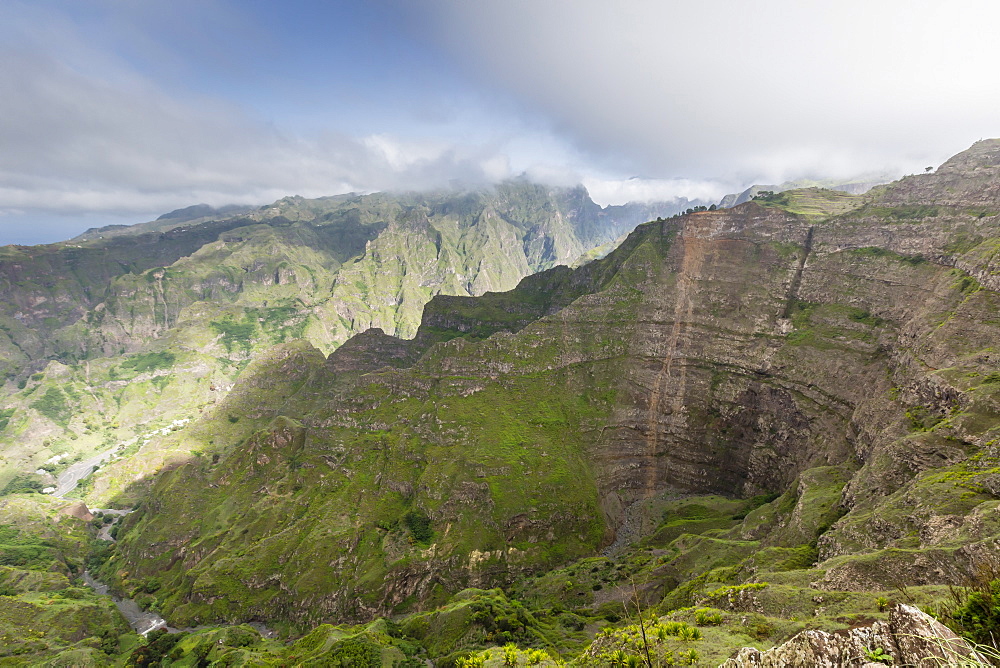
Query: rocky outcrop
<point x="910" y="637"/>
<point x="971" y="179"/>
<point x="79" y="510"/>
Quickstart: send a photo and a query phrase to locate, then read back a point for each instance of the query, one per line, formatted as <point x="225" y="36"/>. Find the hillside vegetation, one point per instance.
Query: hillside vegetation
<point x="109" y="340"/>
<point x="737" y="425"/>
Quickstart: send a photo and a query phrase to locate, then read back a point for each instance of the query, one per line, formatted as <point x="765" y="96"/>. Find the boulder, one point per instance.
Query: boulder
<point x="79" y="510"/>
<point x="910" y="637"/>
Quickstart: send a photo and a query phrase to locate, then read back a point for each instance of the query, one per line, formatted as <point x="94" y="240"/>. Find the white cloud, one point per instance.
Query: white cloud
<point x="622" y="191"/>
<point x="767" y="90"/>
<point x="704" y="98"/>
<point x="75" y="142"/>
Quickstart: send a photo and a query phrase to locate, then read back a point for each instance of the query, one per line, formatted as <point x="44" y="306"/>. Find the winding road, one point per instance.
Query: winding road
<point x="67" y="481"/>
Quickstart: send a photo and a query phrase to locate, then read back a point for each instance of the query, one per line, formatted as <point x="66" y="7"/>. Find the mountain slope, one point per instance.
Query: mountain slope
<point x="108" y="341"/>
<point x="843" y="364"/>
<point x="191" y="215"/>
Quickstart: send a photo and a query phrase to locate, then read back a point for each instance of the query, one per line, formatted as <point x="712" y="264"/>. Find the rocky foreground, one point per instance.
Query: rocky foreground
<point x="908" y="638"/>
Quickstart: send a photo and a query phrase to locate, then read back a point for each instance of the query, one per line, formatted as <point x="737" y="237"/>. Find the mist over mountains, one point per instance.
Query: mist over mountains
<point x="491" y="425"/>
<point x="465" y="335"/>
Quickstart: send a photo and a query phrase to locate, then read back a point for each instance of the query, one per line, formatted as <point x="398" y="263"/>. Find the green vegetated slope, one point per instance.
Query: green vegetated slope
<point x="46" y="613"/>
<point x="191" y="215"/>
<point x="854" y="186"/>
<point x="110" y="341"/>
<point x="749" y="421"/>
<point x="844" y="366"/>
<point x="812" y="202"/>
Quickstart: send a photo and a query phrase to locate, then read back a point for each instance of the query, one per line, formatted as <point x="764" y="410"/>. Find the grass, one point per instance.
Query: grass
<point x="149" y="362"/>
<point x="831" y="326"/>
<point x="235" y="335"/>
<point x="54" y="406"/>
<point x="812" y="202"/>
<point x="902" y="212"/>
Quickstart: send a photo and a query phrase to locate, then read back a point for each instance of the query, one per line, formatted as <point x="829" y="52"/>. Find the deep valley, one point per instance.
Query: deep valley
<point x="506" y="428"/>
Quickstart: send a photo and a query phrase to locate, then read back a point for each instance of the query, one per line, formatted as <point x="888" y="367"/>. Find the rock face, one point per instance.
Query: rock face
<point x="909" y="638"/>
<point x="970" y="179"/>
<point x="79" y="510"/>
<point x="846" y="364"/>
<point x="148" y="324"/>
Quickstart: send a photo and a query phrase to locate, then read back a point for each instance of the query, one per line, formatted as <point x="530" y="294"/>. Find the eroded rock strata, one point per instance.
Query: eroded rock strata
<point x="845" y="364"/>
<point x="908" y="638"/>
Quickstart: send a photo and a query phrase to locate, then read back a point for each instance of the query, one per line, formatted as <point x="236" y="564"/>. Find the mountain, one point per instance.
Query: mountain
<point x="110" y="338"/>
<point x="767" y="412"/>
<point x="191" y="215"/>
<point x="738" y="425"/>
<point x="858" y="186"/>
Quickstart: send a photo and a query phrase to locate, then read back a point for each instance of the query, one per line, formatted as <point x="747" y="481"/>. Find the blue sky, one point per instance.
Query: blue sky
<point x="114" y="111"/>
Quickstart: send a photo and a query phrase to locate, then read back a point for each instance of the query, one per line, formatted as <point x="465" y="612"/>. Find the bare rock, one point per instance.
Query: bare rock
<point x="79" y="510"/>
<point x="910" y="637"/>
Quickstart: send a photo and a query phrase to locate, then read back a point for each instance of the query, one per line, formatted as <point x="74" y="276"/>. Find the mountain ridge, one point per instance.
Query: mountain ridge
<point x="142" y="329"/>
<point x="745" y="422"/>
<point x="748" y="410"/>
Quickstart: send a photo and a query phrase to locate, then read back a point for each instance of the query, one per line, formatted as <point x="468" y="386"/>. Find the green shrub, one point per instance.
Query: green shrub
<point x="967" y="285"/>
<point x="158" y="645"/>
<point x="241" y="636"/>
<point x="22" y="484"/>
<point x="235" y="334"/>
<point x="707" y="617"/>
<point x="53" y="405"/>
<point x="419" y="525"/>
<point x="978" y="617"/>
<point x="25" y="550"/>
<point x="356" y="653"/>
<point x="923" y="418"/>
<point x="149" y="362"/>
<point x="878" y="655"/>
<point x="5" y="415"/>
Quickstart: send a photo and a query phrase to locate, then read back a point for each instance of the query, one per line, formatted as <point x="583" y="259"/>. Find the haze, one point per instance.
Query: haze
<point x="115" y="111"/>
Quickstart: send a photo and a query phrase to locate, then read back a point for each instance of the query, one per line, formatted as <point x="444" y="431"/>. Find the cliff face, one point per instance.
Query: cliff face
<point x="908" y="638"/>
<point x="129" y="333"/>
<point x="845" y="363"/>
<point x="396" y="251"/>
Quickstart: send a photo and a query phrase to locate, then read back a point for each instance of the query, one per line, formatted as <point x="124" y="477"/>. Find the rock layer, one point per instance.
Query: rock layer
<point x="909" y="638"/>
<point x="846" y="361"/>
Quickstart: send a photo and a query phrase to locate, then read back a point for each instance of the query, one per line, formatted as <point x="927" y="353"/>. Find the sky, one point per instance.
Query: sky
<point x="116" y="111"/>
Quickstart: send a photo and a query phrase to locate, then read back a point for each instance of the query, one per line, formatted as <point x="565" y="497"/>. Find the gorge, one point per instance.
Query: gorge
<point x="784" y="415"/>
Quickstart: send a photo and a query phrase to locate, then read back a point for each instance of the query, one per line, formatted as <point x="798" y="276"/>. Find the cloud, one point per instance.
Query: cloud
<point x="622" y="191"/>
<point x="750" y="91"/>
<point x="79" y="136"/>
<point x="76" y="143"/>
<point x="95" y="123"/>
<point x="116" y="108"/>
